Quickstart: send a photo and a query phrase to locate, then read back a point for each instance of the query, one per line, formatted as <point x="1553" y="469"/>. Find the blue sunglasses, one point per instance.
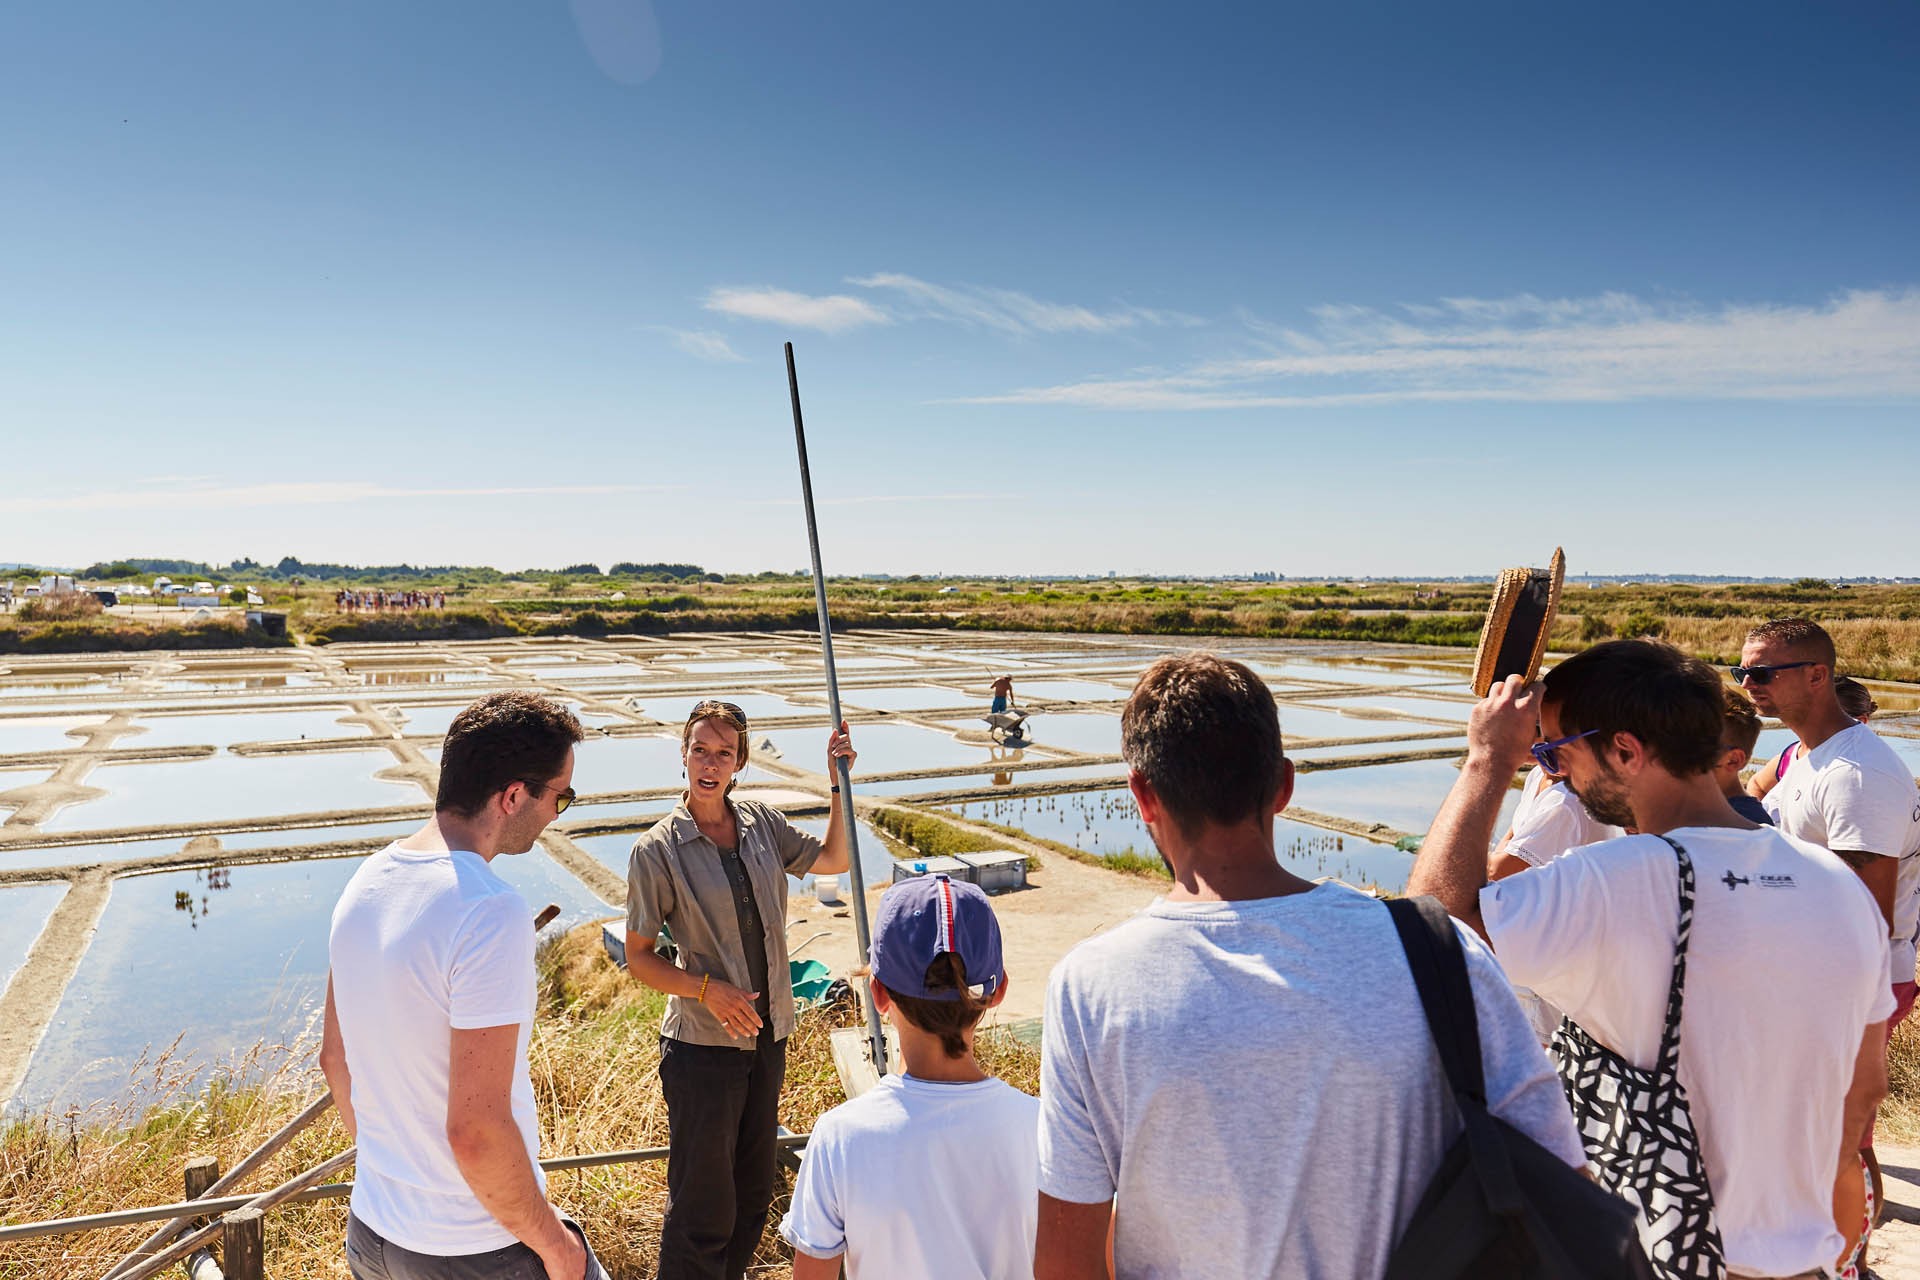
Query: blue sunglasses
<point x="1548" y="753"/>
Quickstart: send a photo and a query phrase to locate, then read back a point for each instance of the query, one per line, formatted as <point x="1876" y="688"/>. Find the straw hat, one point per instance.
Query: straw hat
<point x="1514" y="639"/>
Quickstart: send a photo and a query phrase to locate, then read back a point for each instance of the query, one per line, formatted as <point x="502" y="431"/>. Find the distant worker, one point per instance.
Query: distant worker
<point x="1002" y="694"/>
<point x="929" y="1173"/>
<point x="1152" y="1123"/>
<point x="714" y="873"/>
<point x="430" y="1002"/>
<point x="1855" y="699"/>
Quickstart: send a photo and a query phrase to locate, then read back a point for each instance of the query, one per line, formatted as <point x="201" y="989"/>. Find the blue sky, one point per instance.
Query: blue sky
<point x="1361" y="289"/>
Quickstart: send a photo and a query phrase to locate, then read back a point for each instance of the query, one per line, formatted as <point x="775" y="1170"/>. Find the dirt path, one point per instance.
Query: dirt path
<point x="34" y="994"/>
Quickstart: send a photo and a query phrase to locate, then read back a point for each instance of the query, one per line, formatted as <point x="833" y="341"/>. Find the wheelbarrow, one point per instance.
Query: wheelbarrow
<point x="1007" y="726"/>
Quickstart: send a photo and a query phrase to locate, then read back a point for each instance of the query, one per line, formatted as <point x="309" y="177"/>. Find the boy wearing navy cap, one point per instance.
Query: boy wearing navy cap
<point x="933" y="1172"/>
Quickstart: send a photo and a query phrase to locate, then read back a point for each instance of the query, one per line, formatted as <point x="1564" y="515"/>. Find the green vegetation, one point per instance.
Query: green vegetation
<point x="930" y="836"/>
<point x="1128" y="860"/>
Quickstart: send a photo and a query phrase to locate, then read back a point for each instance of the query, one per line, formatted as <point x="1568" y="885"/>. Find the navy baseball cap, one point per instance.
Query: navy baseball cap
<point x="922" y="918"/>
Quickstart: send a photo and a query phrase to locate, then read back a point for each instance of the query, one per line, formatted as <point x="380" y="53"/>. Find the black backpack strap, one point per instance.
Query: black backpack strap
<point x="1669" y="1062"/>
<point x="1439" y="968"/>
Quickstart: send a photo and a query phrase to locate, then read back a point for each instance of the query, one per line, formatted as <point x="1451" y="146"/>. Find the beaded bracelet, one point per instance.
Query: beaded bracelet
<point x="705" y="978"/>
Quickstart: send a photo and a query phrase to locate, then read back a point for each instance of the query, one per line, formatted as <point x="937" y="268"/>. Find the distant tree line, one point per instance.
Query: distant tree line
<point x="290" y="567"/>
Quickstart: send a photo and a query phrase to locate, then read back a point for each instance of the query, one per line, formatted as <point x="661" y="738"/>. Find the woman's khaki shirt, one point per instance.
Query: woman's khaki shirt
<point x="674" y="877"/>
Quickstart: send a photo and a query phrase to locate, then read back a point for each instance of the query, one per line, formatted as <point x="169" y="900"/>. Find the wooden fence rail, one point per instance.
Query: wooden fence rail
<point x="241" y="1215"/>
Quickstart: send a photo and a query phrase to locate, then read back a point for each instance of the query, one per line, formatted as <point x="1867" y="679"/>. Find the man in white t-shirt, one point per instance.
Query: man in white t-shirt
<point x="430" y="1001"/>
<point x="1785" y="1002"/>
<point x="930" y="1173"/>
<point x="1239" y="1081"/>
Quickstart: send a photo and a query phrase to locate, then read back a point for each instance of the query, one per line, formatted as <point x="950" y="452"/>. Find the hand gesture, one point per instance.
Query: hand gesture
<point x="1503" y="728"/>
<point x="734" y="1008"/>
<point x="840" y="747"/>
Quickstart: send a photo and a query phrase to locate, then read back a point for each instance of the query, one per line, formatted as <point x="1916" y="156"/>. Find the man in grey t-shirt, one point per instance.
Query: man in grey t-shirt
<point x="1240" y="1078"/>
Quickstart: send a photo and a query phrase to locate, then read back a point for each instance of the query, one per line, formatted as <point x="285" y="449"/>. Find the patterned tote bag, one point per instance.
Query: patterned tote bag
<point x="1638" y="1130"/>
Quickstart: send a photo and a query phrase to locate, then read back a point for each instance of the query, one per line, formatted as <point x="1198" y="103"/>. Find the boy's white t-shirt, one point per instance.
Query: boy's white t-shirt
<point x="1853" y="793"/>
<point x="918" y="1178"/>
<point x="424" y="943"/>
<point x="1786" y="968"/>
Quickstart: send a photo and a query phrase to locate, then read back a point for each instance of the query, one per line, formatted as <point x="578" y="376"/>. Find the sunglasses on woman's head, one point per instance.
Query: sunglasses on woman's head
<point x="711" y="705"/>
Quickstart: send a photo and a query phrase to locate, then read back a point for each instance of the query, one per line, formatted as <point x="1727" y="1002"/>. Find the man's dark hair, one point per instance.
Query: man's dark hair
<point x="1672" y="703"/>
<point x="503" y="738"/>
<point x="1204" y="733"/>
<point x="1802" y="635"/>
<point x="948" y="1019"/>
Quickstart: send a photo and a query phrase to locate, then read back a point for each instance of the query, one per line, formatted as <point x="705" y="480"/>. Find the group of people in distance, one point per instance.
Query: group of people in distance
<point x="347" y="601"/>
<point x="1240" y="1079"/>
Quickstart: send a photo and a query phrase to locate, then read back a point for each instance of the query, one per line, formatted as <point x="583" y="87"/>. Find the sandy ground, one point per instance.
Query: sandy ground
<point x="31" y="999"/>
<point x="1894" y="1253"/>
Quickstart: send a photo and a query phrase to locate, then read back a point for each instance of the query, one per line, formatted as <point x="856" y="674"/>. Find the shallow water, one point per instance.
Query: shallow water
<point x="1351" y="673"/>
<point x="42" y="733"/>
<point x="1406" y="795"/>
<point x="232" y="788"/>
<point x="955" y="781"/>
<point x="222" y="729"/>
<point x="723" y="668"/>
<point x="435" y="719"/>
<point x="23" y="913"/>
<point x="1068" y="690"/>
<point x="1088" y="732"/>
<point x="883" y="748"/>
<point x="1106" y="822"/>
<point x="1438" y="708"/>
<point x="374" y="833"/>
<point x="908" y="698"/>
<point x="1344" y="750"/>
<point x="626" y="764"/>
<point x="231" y="967"/>
<point x="1299" y="720"/>
<point x="674" y="710"/>
<point x="274" y="680"/>
<point x="583" y="671"/>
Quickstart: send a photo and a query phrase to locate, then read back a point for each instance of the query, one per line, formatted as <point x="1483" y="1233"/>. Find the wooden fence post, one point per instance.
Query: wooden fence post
<point x="243" y="1245"/>
<point x="202" y="1172"/>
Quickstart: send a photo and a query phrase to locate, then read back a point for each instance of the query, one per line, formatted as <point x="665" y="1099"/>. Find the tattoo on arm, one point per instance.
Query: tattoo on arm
<point x="1858" y="859"/>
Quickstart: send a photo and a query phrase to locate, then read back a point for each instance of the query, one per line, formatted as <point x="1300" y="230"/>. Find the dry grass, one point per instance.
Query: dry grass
<point x="593" y="1058"/>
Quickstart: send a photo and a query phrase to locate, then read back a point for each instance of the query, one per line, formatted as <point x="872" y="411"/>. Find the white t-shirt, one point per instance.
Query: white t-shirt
<point x="918" y="1178"/>
<point x="1551" y="821"/>
<point x="1852" y="793"/>
<point x="1257" y="1084"/>
<point x="423" y="944"/>
<point x="1786" y="968"/>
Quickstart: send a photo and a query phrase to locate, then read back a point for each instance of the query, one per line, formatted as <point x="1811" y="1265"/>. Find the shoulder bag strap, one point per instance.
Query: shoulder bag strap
<point x="1676" y="991"/>
<point x="1439" y="969"/>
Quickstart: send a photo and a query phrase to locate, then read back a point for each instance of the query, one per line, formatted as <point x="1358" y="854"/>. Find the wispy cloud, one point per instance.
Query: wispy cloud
<point x="1863" y="344"/>
<point x="833" y="313"/>
<point x="305" y="493"/>
<point x="703" y="344"/>
<point x="1009" y="311"/>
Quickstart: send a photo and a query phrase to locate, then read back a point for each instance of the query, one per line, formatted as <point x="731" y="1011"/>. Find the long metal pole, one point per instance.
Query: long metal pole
<point x="876" y="1038"/>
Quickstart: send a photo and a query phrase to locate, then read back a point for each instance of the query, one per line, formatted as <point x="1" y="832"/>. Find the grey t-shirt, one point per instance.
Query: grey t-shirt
<point x="1256" y="1083"/>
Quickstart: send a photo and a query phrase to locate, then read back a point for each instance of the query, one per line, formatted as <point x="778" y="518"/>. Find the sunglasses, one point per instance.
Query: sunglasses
<point x="701" y="710"/>
<point x="1548" y="753"/>
<point x="1764" y="674"/>
<point x="561" y="799"/>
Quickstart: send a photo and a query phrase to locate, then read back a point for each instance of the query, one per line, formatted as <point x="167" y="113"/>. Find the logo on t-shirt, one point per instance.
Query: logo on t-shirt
<point x="1733" y="881"/>
<point x="1776" y="882"/>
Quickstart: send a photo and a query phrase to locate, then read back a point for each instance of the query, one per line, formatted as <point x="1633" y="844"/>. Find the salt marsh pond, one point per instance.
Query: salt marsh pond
<point x="176" y="827"/>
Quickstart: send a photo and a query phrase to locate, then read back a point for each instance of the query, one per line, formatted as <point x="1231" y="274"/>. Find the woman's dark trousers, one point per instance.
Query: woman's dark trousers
<point x="723" y="1109"/>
